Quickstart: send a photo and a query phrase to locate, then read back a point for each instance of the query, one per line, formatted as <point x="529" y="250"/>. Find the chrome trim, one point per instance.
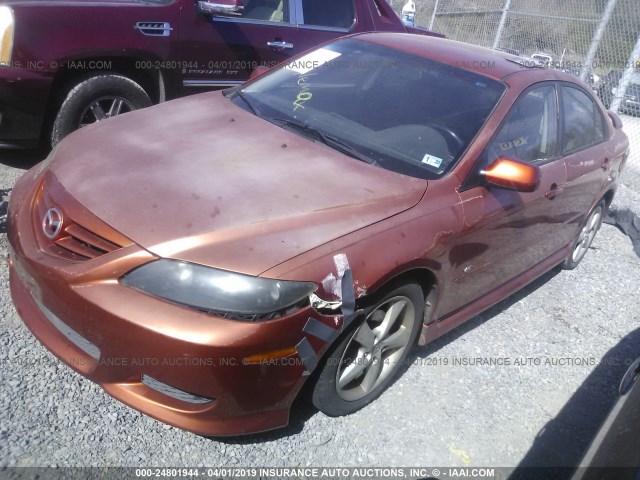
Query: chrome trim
<point x="173" y="392"/>
<point x="149" y="29"/>
<point x="250" y="21"/>
<point x="211" y="83"/>
<point x="280" y="44"/>
<point x="213" y="8"/>
<point x="52" y="223"/>
<point x="327" y="29"/>
<point x="74" y="337"/>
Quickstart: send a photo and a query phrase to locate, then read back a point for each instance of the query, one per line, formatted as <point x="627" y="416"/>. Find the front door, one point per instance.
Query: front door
<point x="508" y="232"/>
<point x="222" y="50"/>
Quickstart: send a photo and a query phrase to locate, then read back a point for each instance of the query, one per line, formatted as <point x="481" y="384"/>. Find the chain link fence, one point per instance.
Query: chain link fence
<point x="596" y="40"/>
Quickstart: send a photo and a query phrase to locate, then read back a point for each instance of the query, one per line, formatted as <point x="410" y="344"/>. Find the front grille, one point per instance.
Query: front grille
<point x="83" y="235"/>
<point x="82" y="243"/>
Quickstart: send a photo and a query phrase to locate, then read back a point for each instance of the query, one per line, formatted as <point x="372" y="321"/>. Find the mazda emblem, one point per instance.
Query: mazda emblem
<point x="52" y="223"/>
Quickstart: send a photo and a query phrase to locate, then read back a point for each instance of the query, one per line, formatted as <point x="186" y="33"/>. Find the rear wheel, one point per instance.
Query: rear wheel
<point x="364" y="363"/>
<point x="95" y="99"/>
<point x="586" y="236"/>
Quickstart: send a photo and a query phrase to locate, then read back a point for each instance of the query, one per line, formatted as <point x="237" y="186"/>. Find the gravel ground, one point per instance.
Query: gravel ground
<point x="436" y="414"/>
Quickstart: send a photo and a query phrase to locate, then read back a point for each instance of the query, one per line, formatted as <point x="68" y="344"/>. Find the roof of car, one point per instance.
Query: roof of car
<point x="485" y="61"/>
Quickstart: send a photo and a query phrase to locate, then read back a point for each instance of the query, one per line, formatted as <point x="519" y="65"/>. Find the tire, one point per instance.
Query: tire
<point x="586" y="235"/>
<point x="335" y="393"/>
<point x="102" y="92"/>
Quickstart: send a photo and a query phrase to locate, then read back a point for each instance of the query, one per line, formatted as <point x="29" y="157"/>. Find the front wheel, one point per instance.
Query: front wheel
<point x="95" y="99"/>
<point x="586" y="236"/>
<point x="364" y="363"/>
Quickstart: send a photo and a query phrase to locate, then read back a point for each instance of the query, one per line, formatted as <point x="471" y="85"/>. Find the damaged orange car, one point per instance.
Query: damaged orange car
<point x="203" y="259"/>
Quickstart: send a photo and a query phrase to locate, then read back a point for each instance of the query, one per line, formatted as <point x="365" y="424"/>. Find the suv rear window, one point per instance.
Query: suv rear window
<point x="328" y="13"/>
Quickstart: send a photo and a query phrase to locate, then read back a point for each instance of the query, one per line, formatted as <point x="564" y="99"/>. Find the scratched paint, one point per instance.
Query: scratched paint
<point x="330" y="285"/>
<point x="333" y="283"/>
<point x="342" y="263"/>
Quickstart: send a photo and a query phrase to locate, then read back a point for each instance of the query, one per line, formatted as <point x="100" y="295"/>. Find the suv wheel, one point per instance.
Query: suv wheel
<point x="95" y="99"/>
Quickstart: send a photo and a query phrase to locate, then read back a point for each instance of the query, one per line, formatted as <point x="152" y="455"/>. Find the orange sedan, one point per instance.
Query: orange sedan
<point x="203" y="259"/>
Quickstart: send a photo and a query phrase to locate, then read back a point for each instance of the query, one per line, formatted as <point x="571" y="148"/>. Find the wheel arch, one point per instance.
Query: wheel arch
<point x="422" y="275"/>
<point x="152" y="81"/>
<point x="608" y="197"/>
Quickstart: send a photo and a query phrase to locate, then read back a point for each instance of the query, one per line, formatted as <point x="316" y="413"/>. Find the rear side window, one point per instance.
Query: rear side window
<point x="328" y="13"/>
<point x="583" y="121"/>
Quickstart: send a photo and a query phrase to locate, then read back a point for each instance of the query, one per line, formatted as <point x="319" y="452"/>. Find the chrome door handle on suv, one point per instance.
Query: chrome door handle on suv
<point x="280" y="44"/>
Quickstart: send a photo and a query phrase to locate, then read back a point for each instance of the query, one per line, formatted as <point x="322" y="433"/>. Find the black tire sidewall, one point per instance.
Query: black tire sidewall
<point x="83" y="93"/>
<point x="569" y="264"/>
<point x="324" y="395"/>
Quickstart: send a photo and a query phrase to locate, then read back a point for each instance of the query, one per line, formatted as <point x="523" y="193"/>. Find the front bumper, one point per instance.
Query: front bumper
<point x="24" y="95"/>
<point x="183" y="367"/>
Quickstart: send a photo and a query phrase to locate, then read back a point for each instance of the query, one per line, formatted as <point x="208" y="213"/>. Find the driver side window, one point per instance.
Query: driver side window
<point x="530" y="131"/>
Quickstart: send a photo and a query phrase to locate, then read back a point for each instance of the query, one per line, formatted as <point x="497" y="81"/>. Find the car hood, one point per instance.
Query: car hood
<point x="201" y="180"/>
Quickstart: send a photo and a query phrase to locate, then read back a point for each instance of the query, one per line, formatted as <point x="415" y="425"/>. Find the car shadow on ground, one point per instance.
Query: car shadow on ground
<point x="4" y="207"/>
<point x="564" y="440"/>
<point x="497" y="309"/>
<point x="301" y="411"/>
<point x="24" y="159"/>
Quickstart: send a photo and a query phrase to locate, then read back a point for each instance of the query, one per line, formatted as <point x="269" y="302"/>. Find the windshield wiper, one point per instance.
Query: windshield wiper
<point x="243" y="97"/>
<point x="327" y="139"/>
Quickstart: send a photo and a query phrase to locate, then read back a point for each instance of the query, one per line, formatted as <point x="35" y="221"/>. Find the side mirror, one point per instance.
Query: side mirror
<point x="259" y="70"/>
<point x="513" y="174"/>
<point x="221" y="7"/>
<point x="615" y="119"/>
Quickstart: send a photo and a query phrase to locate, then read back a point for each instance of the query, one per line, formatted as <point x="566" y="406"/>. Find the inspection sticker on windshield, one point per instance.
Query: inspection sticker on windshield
<point x="432" y="161"/>
<point x="312" y="61"/>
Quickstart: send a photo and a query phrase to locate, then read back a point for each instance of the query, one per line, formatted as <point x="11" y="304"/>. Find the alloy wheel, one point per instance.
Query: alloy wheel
<point x="375" y="348"/>
<point x="587" y="235"/>
<point x="103" y="108"/>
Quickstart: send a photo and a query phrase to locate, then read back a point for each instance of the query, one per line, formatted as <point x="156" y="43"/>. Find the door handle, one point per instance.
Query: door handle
<point x="606" y="164"/>
<point x="278" y="44"/>
<point x="555" y="190"/>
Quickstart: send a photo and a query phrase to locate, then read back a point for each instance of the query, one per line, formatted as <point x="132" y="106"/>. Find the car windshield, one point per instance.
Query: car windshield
<point x="402" y="112"/>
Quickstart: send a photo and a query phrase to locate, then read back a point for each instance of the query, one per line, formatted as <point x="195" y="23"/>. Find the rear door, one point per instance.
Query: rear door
<point x="588" y="156"/>
<point x="320" y="21"/>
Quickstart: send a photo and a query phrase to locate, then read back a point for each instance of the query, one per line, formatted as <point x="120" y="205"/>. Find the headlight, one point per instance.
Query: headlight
<point x="228" y="294"/>
<point x="6" y="35"/>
